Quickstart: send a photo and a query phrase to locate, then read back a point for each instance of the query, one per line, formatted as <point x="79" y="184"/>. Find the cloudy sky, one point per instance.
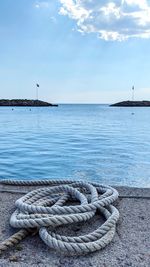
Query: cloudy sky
<point x="79" y="51"/>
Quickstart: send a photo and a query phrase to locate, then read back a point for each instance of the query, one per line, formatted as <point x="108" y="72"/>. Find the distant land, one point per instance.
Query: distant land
<point x="25" y="103"/>
<point x="128" y="103"/>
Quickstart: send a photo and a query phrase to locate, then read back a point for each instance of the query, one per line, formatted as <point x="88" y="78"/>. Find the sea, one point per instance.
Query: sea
<point x="90" y="142"/>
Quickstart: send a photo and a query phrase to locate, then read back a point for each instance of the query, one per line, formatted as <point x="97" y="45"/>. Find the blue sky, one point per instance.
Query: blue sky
<point x="79" y="52"/>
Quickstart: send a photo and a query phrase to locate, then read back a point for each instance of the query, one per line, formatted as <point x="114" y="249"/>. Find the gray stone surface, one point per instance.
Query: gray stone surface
<point x="130" y="246"/>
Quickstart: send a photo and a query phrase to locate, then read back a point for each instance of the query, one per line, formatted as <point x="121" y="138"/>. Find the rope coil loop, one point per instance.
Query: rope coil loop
<point x="46" y="208"/>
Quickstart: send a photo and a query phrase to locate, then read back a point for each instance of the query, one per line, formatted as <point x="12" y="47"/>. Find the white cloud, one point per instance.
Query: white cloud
<point x="110" y="19"/>
<point x="42" y="4"/>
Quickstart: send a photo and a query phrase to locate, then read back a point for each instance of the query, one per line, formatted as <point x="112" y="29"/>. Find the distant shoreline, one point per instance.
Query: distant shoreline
<point x="25" y="103"/>
<point x="128" y="103"/>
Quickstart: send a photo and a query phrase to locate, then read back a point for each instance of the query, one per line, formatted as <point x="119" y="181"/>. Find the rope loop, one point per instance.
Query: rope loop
<point x="47" y="208"/>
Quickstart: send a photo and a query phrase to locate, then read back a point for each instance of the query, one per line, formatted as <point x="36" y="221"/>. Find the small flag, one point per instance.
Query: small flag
<point x="37" y="85"/>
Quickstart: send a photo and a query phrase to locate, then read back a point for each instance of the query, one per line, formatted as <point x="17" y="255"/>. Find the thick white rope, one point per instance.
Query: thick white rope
<point x="45" y="209"/>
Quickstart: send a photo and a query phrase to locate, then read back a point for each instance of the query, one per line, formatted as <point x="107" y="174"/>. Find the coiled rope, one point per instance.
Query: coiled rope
<point x="45" y="209"/>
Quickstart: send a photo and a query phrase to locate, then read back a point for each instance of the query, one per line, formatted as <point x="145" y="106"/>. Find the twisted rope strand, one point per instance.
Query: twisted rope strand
<point x="15" y="239"/>
<point x="46" y="208"/>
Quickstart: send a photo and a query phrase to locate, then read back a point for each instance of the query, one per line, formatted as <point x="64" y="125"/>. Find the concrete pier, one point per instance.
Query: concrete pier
<point x="130" y="246"/>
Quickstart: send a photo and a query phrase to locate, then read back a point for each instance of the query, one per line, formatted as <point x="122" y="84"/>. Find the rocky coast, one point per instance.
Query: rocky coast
<point x="128" y="103"/>
<point x="25" y="103"/>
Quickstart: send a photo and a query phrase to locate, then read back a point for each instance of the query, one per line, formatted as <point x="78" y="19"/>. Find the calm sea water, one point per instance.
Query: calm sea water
<point x="90" y="142"/>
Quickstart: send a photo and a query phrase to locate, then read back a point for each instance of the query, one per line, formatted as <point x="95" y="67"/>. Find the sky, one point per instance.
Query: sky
<point x="78" y="51"/>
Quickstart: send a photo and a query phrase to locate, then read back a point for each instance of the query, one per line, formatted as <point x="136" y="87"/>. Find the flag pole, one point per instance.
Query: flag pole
<point x="37" y="91"/>
<point x="132" y="93"/>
